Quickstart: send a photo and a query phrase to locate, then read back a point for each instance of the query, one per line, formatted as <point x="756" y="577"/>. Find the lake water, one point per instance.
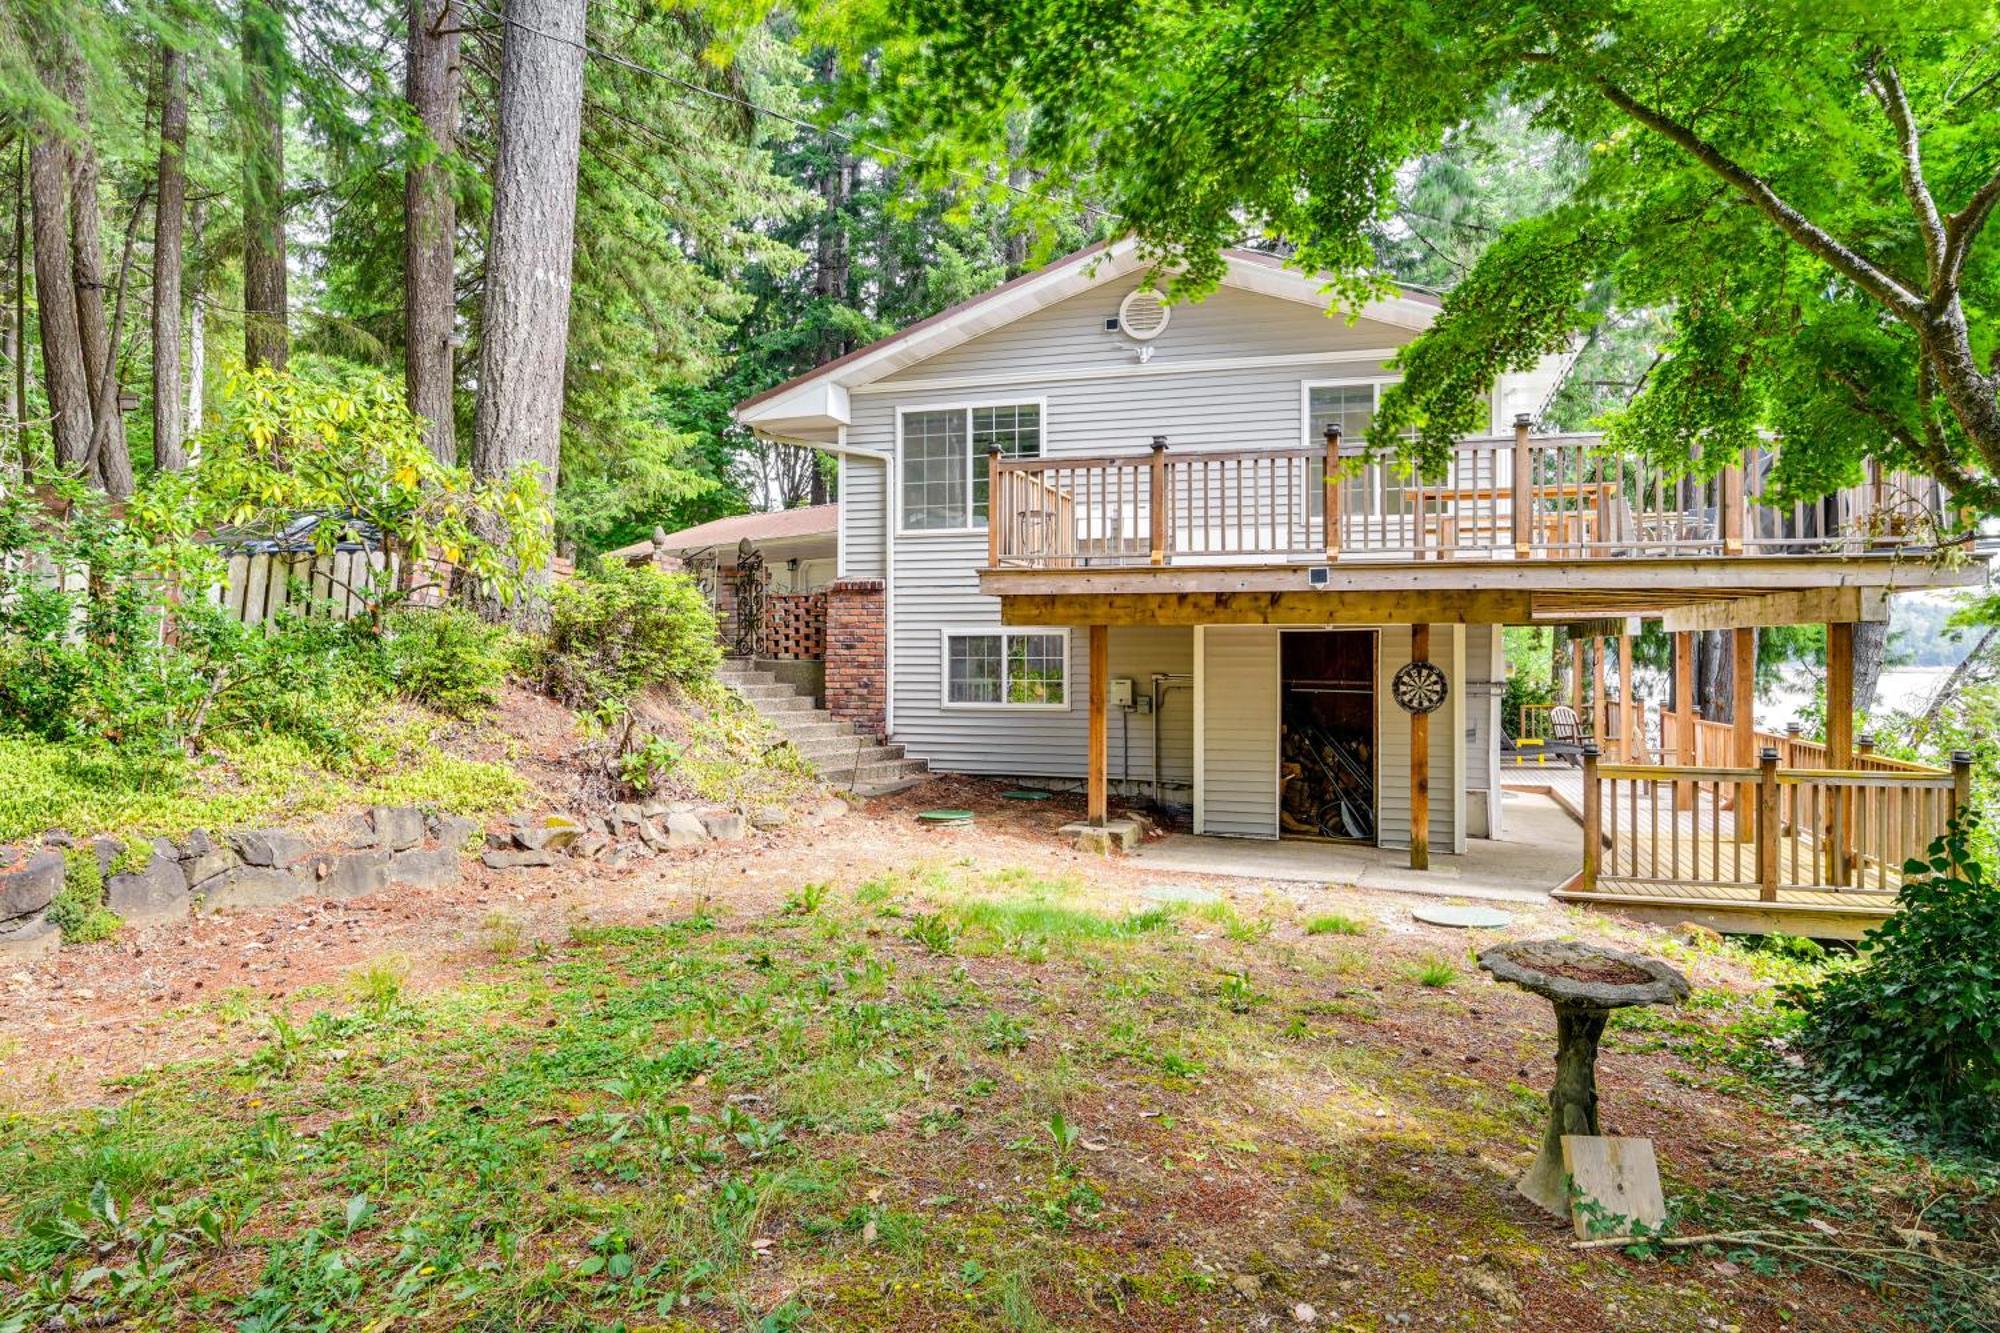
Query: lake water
<point x="1902" y="689"/>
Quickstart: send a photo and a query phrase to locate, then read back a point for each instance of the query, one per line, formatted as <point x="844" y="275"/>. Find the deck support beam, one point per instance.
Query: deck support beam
<point x="1420" y="763"/>
<point x="1684" y="729"/>
<point x="1627" y="752"/>
<point x="1840" y="743"/>
<point x="1098" y="802"/>
<point x="1743" y="721"/>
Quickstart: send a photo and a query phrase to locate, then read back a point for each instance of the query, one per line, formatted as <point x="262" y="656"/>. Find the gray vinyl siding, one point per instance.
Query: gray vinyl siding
<point x="934" y="576"/>
<point x="1070" y="335"/>
<point x="1239" y="731"/>
<point x="864" y="518"/>
<point x="1392" y="730"/>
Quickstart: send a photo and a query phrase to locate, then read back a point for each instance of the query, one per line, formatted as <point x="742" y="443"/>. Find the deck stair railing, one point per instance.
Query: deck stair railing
<point x="1760" y="832"/>
<point x="1501" y="497"/>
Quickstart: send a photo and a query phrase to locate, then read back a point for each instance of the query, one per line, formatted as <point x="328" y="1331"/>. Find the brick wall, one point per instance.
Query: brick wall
<point x="794" y="626"/>
<point x="857" y="653"/>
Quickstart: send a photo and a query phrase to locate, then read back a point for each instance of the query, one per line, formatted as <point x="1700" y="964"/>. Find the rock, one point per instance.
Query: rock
<point x="270" y="847"/>
<point x="56" y="837"/>
<point x="31" y="884"/>
<point x="157" y="893"/>
<point x="595" y="824"/>
<point x="505" y="860"/>
<point x="624" y="817"/>
<point x="684" y="830"/>
<point x="725" y="826"/>
<point x="439" y="869"/>
<point x="28" y="937"/>
<point x="1288" y="1254"/>
<point x="824" y="812"/>
<point x="653" y="809"/>
<point x="1247" y="1285"/>
<point x="770" y="816"/>
<point x="453" y="832"/>
<point x="590" y="846"/>
<point x="550" y="833"/>
<point x="1693" y="932"/>
<point x="107" y="851"/>
<point x="355" y="874"/>
<point x="253" y="886"/>
<point x="1303" y="1313"/>
<point x="197" y="843"/>
<point x="1493" y="1286"/>
<point x="359" y="832"/>
<point x="210" y="865"/>
<point x="650" y="834"/>
<point x="398" y="826"/>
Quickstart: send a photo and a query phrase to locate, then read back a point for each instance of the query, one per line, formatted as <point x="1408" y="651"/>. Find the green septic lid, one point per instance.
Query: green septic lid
<point x="1025" y="794"/>
<point x="946" y="817"/>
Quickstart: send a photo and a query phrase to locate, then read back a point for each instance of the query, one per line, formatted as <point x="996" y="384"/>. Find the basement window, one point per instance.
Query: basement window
<point x="1010" y="669"/>
<point x="944" y="460"/>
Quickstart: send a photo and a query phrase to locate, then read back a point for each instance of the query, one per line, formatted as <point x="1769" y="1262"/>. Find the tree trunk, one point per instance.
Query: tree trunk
<point x="429" y="296"/>
<point x="63" y="370"/>
<point x="111" y="466"/>
<point x="169" y="450"/>
<point x="266" y="336"/>
<point x="1716" y="674"/>
<point x="1871" y="647"/>
<point x="197" y="329"/>
<point x="525" y="325"/>
<point x="15" y="341"/>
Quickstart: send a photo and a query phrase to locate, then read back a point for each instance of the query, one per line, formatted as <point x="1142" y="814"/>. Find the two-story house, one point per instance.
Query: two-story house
<point x="1087" y="535"/>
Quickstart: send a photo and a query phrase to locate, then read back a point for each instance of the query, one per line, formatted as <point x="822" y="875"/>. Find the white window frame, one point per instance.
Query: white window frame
<point x="1377" y="497"/>
<point x="975" y="460"/>
<point x="1003" y="632"/>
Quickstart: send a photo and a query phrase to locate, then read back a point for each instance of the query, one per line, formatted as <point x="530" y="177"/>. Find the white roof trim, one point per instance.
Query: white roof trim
<point x="821" y="403"/>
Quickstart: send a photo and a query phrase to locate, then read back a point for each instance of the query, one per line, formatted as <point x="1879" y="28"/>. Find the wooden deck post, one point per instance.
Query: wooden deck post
<point x="1600" y="711"/>
<point x="1576" y="677"/>
<point x="1840" y="746"/>
<point x="1420" y="763"/>
<point x="1098" y="806"/>
<point x="1961" y="781"/>
<point x="1522" y="500"/>
<point x="1731" y="483"/>
<point x="995" y="507"/>
<point x="1743" y="720"/>
<point x="1767" y="824"/>
<point x="1156" y="502"/>
<point x="1330" y="499"/>
<point x="1628" y="753"/>
<point x="1593" y="819"/>
<point x="1684" y="715"/>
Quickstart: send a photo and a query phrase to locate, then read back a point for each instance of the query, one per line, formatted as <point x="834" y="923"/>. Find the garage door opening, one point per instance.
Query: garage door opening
<point x="1326" y="735"/>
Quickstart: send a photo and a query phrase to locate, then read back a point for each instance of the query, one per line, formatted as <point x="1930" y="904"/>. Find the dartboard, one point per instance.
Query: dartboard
<point x="1419" y="687"/>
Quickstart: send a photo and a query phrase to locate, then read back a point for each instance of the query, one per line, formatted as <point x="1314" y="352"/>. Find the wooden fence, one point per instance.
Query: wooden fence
<point x="340" y="584"/>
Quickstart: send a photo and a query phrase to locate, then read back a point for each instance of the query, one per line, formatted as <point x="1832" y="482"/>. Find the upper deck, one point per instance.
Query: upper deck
<point x="1519" y="527"/>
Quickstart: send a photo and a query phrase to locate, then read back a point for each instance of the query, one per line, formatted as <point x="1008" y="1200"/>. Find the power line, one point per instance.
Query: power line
<point x="852" y="140"/>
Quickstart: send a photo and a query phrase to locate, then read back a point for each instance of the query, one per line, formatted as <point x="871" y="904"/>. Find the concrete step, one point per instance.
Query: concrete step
<point x="875" y="774"/>
<point x="848" y="751"/>
<point x="758" y="691"/>
<point x="804" y="728"/>
<point x="772" y="705"/>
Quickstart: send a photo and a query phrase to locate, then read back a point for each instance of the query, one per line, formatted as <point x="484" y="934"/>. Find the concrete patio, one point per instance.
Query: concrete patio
<point x="1539" y="850"/>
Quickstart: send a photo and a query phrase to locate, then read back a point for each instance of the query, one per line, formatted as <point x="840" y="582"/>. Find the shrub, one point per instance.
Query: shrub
<point x="1917" y="1022"/>
<point x="79" y="911"/>
<point x="622" y="628"/>
<point x="446" y="658"/>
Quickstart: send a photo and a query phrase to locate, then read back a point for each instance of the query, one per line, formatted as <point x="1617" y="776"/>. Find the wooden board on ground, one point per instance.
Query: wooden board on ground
<point x="1617" y="1185"/>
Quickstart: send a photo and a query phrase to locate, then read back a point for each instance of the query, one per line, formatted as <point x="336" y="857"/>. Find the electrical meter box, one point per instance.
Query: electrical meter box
<point x="1121" y="691"/>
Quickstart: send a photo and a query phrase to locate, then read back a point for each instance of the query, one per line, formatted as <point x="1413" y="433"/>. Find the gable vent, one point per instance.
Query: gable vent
<point x="1143" y="315"/>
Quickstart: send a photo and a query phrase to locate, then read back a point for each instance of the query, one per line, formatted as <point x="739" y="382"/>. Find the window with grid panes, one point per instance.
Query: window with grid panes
<point x="944" y="460"/>
<point x="1024" y="668"/>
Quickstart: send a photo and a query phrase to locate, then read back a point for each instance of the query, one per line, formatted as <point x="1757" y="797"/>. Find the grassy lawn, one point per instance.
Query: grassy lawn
<point x="942" y="1099"/>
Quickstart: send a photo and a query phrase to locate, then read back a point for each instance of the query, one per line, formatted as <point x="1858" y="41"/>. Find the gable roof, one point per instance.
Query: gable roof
<point x="778" y="525"/>
<point x="813" y="407"/>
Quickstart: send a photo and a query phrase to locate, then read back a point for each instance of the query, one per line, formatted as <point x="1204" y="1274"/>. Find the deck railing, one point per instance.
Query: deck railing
<point x="1760" y="832"/>
<point x="1508" y="497"/>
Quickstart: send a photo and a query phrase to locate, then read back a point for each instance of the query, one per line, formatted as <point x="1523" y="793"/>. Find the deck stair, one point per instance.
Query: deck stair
<point x="844" y="757"/>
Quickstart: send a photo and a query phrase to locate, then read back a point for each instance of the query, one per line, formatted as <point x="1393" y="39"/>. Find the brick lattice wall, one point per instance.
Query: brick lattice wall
<point x="857" y="653"/>
<point x="794" y="626"/>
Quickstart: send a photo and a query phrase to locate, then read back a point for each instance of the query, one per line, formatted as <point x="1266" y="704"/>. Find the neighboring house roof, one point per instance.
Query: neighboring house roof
<point x="800" y="527"/>
<point x="813" y="408"/>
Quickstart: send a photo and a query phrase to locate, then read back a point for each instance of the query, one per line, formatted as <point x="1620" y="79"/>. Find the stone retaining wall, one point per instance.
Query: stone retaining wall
<point x="383" y="847"/>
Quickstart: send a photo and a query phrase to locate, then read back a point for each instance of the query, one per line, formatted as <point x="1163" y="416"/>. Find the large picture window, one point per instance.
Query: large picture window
<point x="1022" y="669"/>
<point x="1376" y="490"/>
<point x="944" y="460"/>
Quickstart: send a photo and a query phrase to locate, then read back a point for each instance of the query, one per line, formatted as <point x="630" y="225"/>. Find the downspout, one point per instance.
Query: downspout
<point x="1162" y="682"/>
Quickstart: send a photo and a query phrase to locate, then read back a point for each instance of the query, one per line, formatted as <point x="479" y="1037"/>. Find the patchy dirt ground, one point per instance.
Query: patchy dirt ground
<point x="978" y="1080"/>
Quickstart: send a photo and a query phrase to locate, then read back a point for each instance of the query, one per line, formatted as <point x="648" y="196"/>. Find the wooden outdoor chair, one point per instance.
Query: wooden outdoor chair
<point x="1565" y="733"/>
